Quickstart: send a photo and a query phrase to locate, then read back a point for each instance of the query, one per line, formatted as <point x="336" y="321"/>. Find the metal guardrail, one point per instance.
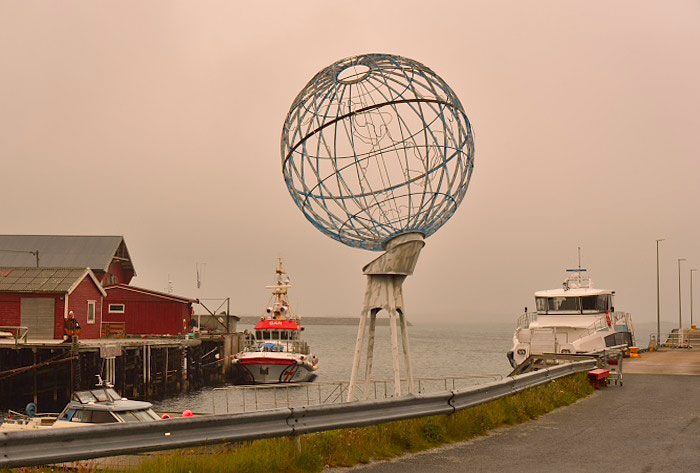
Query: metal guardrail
<point x="62" y="445"/>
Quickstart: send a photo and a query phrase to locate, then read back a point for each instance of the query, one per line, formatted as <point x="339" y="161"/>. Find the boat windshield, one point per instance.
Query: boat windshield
<point x="88" y="416"/>
<point x="574" y="305"/>
<point x="141" y="415"/>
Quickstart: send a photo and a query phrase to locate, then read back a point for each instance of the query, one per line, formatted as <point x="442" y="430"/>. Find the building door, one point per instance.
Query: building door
<point x="38" y="316"/>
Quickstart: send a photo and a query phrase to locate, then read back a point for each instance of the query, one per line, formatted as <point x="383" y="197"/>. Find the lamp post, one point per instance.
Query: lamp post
<point x="658" y="299"/>
<point x="691" y="297"/>
<point x="680" y="304"/>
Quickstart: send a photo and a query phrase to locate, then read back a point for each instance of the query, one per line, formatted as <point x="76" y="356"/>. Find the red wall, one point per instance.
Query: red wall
<point x="116" y="269"/>
<point x="77" y="302"/>
<point x="10" y="310"/>
<point x="147" y="314"/>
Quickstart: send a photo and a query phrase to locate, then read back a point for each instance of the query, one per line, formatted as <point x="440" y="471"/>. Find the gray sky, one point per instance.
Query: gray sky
<point x="161" y="121"/>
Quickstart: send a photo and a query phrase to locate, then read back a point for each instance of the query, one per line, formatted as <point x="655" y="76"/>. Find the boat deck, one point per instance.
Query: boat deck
<point x="665" y="362"/>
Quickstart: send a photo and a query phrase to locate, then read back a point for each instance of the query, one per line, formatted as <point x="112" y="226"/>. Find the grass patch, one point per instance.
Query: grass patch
<point x="352" y="446"/>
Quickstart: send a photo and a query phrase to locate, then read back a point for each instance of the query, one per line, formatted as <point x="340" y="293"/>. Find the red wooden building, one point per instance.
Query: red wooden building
<point x="147" y="312"/>
<point x="40" y="299"/>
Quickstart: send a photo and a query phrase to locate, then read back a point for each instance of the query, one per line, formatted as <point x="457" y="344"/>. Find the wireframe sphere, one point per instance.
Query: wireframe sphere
<point x="376" y="146"/>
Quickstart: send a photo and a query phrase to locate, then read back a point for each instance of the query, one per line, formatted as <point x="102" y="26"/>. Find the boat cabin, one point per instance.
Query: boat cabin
<point x="104" y="406"/>
<point x="575" y="301"/>
<point x="277" y="330"/>
<point x="577" y="296"/>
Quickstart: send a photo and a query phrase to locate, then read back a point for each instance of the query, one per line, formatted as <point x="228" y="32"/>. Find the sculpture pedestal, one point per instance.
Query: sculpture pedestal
<point x="385" y="276"/>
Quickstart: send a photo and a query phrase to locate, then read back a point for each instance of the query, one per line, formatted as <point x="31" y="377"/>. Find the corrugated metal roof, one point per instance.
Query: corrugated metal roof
<point x="53" y="280"/>
<point x="151" y="292"/>
<point x="59" y="251"/>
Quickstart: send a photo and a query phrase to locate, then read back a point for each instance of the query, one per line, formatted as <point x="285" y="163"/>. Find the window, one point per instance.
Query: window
<point x="563" y="304"/>
<point x="541" y="304"/>
<point x="116" y="308"/>
<point x="599" y="303"/>
<point x="91" y="312"/>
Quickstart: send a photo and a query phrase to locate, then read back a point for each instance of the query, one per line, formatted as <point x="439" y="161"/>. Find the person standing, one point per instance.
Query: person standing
<point x="71" y="328"/>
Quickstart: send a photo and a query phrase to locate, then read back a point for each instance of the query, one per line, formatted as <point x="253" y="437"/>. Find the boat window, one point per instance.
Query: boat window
<point x="102" y="417"/>
<point x="93" y="417"/>
<point x="67" y="415"/>
<point x="266" y="335"/>
<point x="541" y="304"/>
<point x="599" y="303"/>
<point x="143" y="415"/>
<point x="84" y="397"/>
<point x="275" y="335"/>
<point x="100" y="395"/>
<point x="285" y="335"/>
<point x="563" y="304"/>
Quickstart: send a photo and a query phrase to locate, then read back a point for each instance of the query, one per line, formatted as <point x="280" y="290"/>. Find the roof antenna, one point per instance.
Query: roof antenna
<point x="579" y="261"/>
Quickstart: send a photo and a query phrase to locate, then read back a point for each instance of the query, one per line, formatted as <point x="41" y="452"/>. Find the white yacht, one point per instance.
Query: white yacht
<point x="577" y="318"/>
<point x="276" y="353"/>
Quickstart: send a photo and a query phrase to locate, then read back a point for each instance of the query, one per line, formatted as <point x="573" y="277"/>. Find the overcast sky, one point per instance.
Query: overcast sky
<point x="161" y="121"/>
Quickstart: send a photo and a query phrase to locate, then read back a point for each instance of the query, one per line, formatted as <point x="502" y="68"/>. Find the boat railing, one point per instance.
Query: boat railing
<point x="19" y="333"/>
<point x="236" y="399"/>
<point x="294" y="346"/>
<point x="526" y="319"/>
<point x="677" y="339"/>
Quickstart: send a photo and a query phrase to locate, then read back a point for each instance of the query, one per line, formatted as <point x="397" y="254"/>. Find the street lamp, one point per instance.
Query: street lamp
<point x="691" y="297"/>
<point x="680" y="304"/>
<point x="658" y="299"/>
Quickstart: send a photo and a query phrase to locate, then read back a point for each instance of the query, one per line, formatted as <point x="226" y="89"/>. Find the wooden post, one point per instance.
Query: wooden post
<point x="36" y="361"/>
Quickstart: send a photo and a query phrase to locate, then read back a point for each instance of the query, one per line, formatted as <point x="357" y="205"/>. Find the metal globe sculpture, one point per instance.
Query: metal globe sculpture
<point x="376" y="146"/>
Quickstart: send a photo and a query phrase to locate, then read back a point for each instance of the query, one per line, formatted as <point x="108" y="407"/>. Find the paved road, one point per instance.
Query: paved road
<point x="652" y="424"/>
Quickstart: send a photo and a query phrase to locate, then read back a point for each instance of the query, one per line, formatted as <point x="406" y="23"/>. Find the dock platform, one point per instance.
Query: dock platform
<point x="47" y="372"/>
<point x="681" y="361"/>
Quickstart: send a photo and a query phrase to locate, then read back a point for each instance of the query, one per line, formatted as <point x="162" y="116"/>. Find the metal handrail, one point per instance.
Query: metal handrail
<point x="20" y="332"/>
<point x="251" y="398"/>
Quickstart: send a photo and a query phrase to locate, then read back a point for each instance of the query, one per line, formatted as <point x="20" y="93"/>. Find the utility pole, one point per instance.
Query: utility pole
<point x="691" y="297"/>
<point x="680" y="302"/>
<point x="658" y="298"/>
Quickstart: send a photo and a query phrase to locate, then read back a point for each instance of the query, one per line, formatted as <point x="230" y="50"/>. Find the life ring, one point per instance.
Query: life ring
<point x="608" y="319"/>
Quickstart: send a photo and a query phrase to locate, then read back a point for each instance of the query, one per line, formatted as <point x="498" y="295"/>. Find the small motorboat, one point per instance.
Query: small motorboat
<point x="102" y="405"/>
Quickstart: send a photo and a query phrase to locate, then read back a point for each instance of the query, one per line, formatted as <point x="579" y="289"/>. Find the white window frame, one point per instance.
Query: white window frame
<point x="112" y="310"/>
<point x="94" y="311"/>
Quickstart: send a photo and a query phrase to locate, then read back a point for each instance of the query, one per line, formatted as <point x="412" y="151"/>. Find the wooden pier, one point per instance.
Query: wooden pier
<point x="47" y="372"/>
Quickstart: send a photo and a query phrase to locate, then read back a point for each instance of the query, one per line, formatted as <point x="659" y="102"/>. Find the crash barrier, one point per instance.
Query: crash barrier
<point x="32" y="448"/>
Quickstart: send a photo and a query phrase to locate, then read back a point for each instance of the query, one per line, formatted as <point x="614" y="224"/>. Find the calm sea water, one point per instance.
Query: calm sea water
<point x="437" y="350"/>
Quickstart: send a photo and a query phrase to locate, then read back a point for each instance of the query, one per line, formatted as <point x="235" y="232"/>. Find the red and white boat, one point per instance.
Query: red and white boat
<point x="276" y="353"/>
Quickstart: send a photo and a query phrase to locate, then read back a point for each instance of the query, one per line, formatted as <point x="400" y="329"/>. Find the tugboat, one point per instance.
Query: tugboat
<point x="577" y="318"/>
<point x="276" y="352"/>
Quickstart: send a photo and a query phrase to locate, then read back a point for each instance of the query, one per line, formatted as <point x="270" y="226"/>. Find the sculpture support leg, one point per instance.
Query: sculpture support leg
<point x="370" y="351"/>
<point x="358" y="351"/>
<point x="406" y="352"/>
<point x="395" y="351"/>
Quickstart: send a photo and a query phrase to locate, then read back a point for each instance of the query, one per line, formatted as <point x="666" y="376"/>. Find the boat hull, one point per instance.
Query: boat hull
<point x="265" y="371"/>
